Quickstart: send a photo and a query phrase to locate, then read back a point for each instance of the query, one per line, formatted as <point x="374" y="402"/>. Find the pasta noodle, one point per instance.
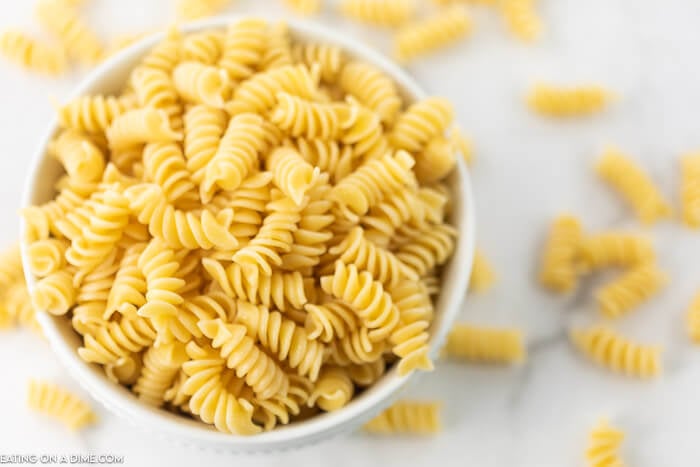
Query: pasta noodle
<point x="59" y="403"/>
<point x="407" y="417"/>
<point x="559" y="268"/>
<point x="304" y="7"/>
<point x="634" y="185"/>
<point x="244" y="45"/>
<point x="92" y="114"/>
<point x="604" y="446"/>
<point x="615" y="249"/>
<point x="333" y="390"/>
<point x="483" y="276"/>
<point x="690" y="190"/>
<point x="32" y="54"/>
<point x="488" y="345"/>
<point x="436" y="161"/>
<point x="62" y="20"/>
<point x="291" y="173"/>
<point x="204" y="47"/>
<point x="196" y="9"/>
<point x="155" y="88"/>
<point x="567" y="102"/>
<point x="608" y="349"/>
<point x="202" y="84"/>
<point x="372" y="88"/>
<point x="439" y="30"/>
<point x="420" y="123"/>
<point x="328" y="58"/>
<point x="629" y="290"/>
<point x="521" y="18"/>
<point x="81" y="158"/>
<point x="146" y="125"/>
<point x="379" y="12"/>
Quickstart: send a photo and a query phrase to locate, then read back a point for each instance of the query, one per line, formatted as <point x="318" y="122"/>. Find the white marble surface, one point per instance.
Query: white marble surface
<point x="528" y="169"/>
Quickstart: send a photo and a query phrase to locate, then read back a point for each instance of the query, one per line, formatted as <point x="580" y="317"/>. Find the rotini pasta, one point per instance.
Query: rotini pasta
<point x="333" y="390"/>
<point x="567" y="102"/>
<point x="521" y="19"/>
<point x="305" y="118"/>
<point x="32" y="54"/>
<point x="146" y="125"/>
<point x="92" y="114"/>
<point x="81" y="158"/>
<point x="155" y="88"/>
<point x="379" y="12"/>
<point x="328" y="58"/>
<point x="202" y="84"/>
<point x="488" y="345"/>
<point x="604" y="445"/>
<point x="161" y="366"/>
<point x="558" y="271"/>
<point x="407" y="417"/>
<point x="244" y="46"/>
<point x="372" y="88"/>
<point x="420" y="123"/>
<point x="439" y="30"/>
<point x="59" y="403"/>
<point x="204" y="47"/>
<point x="629" y="290"/>
<point x="279" y="49"/>
<point x="483" y="276"/>
<point x="615" y="249"/>
<point x="436" y="161"/>
<point x="291" y="173"/>
<point x="62" y="20"/>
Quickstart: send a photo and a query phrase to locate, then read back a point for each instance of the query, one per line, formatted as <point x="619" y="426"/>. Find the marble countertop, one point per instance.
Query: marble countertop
<point x="527" y="170"/>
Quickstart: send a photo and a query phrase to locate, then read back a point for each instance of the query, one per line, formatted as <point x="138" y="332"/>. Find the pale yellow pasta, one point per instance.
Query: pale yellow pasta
<point x="244" y="46"/>
<point x="333" y="390"/>
<point x="32" y="54"/>
<point x="330" y="320"/>
<point x="304" y="7"/>
<point x="485" y="344"/>
<point x="630" y="290"/>
<point x="521" y="19"/>
<point x="436" y="161"/>
<point x="279" y="49"/>
<point x="617" y="353"/>
<point x="410" y="338"/>
<point x="196" y="9"/>
<point x="309" y="119"/>
<point x="427" y="248"/>
<point x="483" y="276"/>
<point x="556" y="101"/>
<point x="160" y="367"/>
<point x="372" y="88"/>
<point x="633" y="184"/>
<point x="690" y="189"/>
<point x="147" y="125"/>
<point x="558" y="270"/>
<point x="617" y="249"/>
<point x="164" y="165"/>
<point x="63" y="21"/>
<point x="291" y="173"/>
<point x="60" y="404"/>
<point x="379" y="12"/>
<point x="604" y="446"/>
<point x="407" y="417"/>
<point x="155" y="88"/>
<point x="167" y="53"/>
<point x="439" y="30"/>
<point x="55" y="293"/>
<point x="421" y="122"/>
<point x="92" y="114"/>
<point x="81" y="158"/>
<point x="363" y="133"/>
<point x="202" y="84"/>
<point x="330" y="59"/>
<point x="205" y="47"/>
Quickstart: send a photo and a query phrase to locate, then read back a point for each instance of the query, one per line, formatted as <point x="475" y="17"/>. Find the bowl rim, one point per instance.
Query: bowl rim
<point x="122" y="403"/>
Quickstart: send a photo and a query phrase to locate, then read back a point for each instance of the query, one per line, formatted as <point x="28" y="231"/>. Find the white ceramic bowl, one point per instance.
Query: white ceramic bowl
<point x="109" y="78"/>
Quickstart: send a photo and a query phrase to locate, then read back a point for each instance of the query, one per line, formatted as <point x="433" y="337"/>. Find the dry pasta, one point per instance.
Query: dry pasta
<point x="407" y="417"/>
<point x="568" y="102"/>
<point x="305" y="7"/>
<point x="483" y="276"/>
<point x="521" y="19"/>
<point x="690" y="189"/>
<point x="604" y="446"/>
<point x="62" y="20"/>
<point x="379" y="12"/>
<point x="196" y="9"/>
<point x="439" y="30"/>
<point x="630" y="290"/>
<point x="633" y="184"/>
<point x="32" y="54"/>
<point x="617" y="249"/>
<point x="59" y="403"/>
<point x="242" y="236"/>
<point x="559" y="268"/>
<point x="488" y="345"/>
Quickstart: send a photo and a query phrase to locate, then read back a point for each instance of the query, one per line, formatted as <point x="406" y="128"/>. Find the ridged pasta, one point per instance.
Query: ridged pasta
<point x="410" y="338"/>
<point x="436" y="161"/>
<point x="521" y="19"/>
<point x="330" y="157"/>
<point x="355" y="348"/>
<point x="282" y="337"/>
<point x="690" y="189"/>
<point x="567" y="102"/>
<point x="242" y="355"/>
<point x="304" y="7"/>
<point x="291" y="173"/>
<point x="196" y="9"/>
<point x="116" y="339"/>
<point x="372" y="88"/>
<point x="63" y="21"/>
<point x="366" y="374"/>
<point x="302" y="118"/>
<point x="81" y="158"/>
<point x="279" y="49"/>
<point x="147" y="125"/>
<point x="45" y="256"/>
<point x="483" y="276"/>
<point x="487" y="345"/>
<point x="558" y="271"/>
<point x="330" y="320"/>
<point x="363" y="132"/>
<point x="615" y="249"/>
<point x="161" y="366"/>
<point x="333" y="390"/>
<point x="604" y="446"/>
<point x="358" y="289"/>
<point x="617" y="353"/>
<point x="428" y="248"/>
<point x="128" y="290"/>
<point x="155" y="88"/>
<point x="167" y="53"/>
<point x="630" y="290"/>
<point x="328" y="58"/>
<point x="202" y="84"/>
<point x="126" y="370"/>
<point x="32" y="54"/>
<point x="395" y="210"/>
<point x="93" y="114"/>
<point x="379" y="12"/>
<point x="164" y="164"/>
<point x="204" y="47"/>
<point x="244" y="46"/>
<point x="633" y="184"/>
<point x="204" y="127"/>
<point x="59" y="403"/>
<point x="445" y="27"/>
<point x="55" y="293"/>
<point x="407" y="417"/>
<point x="420" y="123"/>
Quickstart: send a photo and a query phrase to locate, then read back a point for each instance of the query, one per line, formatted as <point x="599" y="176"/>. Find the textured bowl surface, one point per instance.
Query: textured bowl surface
<point x="109" y="78"/>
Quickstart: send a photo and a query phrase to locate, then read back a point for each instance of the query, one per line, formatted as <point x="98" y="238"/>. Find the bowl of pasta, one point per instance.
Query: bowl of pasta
<point x="248" y="235"/>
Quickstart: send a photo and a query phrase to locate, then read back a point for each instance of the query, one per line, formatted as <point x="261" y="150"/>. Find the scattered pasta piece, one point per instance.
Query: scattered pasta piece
<point x="693" y="317"/>
<point x="690" y="189"/>
<point x="630" y="290"/>
<point x="196" y="9"/>
<point x="15" y="303"/>
<point x="558" y="271"/>
<point x="615" y="352"/>
<point x="407" y="417"/>
<point x="446" y="27"/>
<point x="379" y="12"/>
<point x="604" y="446"/>
<point x="62" y="20"/>
<point x="31" y="54"/>
<point x="567" y="102"/>
<point x="521" y="19"/>
<point x="59" y="403"/>
<point x="616" y="249"/>
<point x="487" y="345"/>
<point x="634" y="185"/>
<point x="483" y="276"/>
<point x="305" y="7"/>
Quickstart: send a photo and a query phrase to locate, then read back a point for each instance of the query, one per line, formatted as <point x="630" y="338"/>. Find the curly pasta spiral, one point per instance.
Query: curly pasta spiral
<point x="242" y="355"/>
<point x="283" y="338"/>
<point x="690" y="189"/>
<point x="32" y="54"/>
<point x="420" y="123"/>
<point x="167" y="53"/>
<point x="128" y="291"/>
<point x="46" y="256"/>
<point x="330" y="59"/>
<point x="437" y="31"/>
<point x="604" y="445"/>
<point x="81" y="158"/>
<point x="372" y="88"/>
<point x="93" y="114"/>
<point x="558" y="271"/>
<point x="521" y="18"/>
<point x="355" y="348"/>
<point x="161" y="366"/>
<point x="436" y="161"/>
<point x="630" y="290"/>
<point x="204" y="127"/>
<point x="410" y="342"/>
<point x="615" y="249"/>
<point x="379" y="12"/>
<point x="428" y="248"/>
<point x="488" y="345"/>
<point x="364" y="133"/>
<point x="634" y="185"/>
<point x="483" y="276"/>
<point x="244" y="46"/>
<point x="367" y="296"/>
<point x="366" y="374"/>
<point x="55" y="293"/>
<point x="279" y="49"/>
<point x="155" y="88"/>
<point x="610" y="350"/>
<point x="164" y="165"/>
<point x="291" y="173"/>
<point x="330" y="157"/>
<point x="204" y="47"/>
<point x="202" y="84"/>
<point x="117" y="339"/>
<point x="561" y="102"/>
<point x="333" y="390"/>
<point x="395" y="210"/>
<point x="300" y="117"/>
<point x="407" y="417"/>
<point x="62" y="20"/>
<point x="59" y="403"/>
<point x="330" y="320"/>
<point x="147" y="125"/>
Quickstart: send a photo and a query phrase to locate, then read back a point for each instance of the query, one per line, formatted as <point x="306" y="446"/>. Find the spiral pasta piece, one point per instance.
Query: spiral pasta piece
<point x="202" y="84"/>
<point x="32" y="54"/>
<point x="615" y="352"/>
<point x="355" y="348"/>
<point x="559" y="268"/>
<point x="117" y="339"/>
<point x="379" y="12"/>
<point x="336" y="160"/>
<point x="309" y="119"/>
<point x="242" y="355"/>
<point x="690" y="189"/>
<point x="161" y="366"/>
<point x="367" y="296"/>
<point x="436" y="161"/>
<point x="634" y="185"/>
<point x="488" y="345"/>
<point x="59" y="403"/>
<point x="407" y="417"/>
<point x="366" y="374"/>
<point x="420" y="123"/>
<point x="45" y="257"/>
<point x="93" y="114"/>
<point x="604" y="445"/>
<point x="279" y="49"/>
<point x="328" y="58"/>
<point x="410" y="342"/>
<point x="167" y="53"/>
<point x="395" y="210"/>
<point x="330" y="320"/>
<point x="428" y="248"/>
<point x="483" y="276"/>
<point x="196" y="9"/>
<point x="244" y="46"/>
<point x="291" y="173"/>
<point x="333" y="390"/>
<point x="204" y="47"/>
<point x="81" y="158"/>
<point x="304" y="7"/>
<point x="204" y="127"/>
<point x="126" y="370"/>
<point x="164" y="165"/>
<point x="283" y="338"/>
<point x="155" y="88"/>
<point x="147" y="125"/>
<point x="437" y="31"/>
<point x="615" y="249"/>
<point x="79" y="40"/>
<point x="630" y="290"/>
<point x="521" y="19"/>
<point x="568" y="102"/>
<point x="372" y="88"/>
<point x="364" y="133"/>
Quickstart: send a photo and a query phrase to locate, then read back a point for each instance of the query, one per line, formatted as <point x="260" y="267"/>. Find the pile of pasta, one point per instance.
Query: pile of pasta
<point x="254" y="221"/>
